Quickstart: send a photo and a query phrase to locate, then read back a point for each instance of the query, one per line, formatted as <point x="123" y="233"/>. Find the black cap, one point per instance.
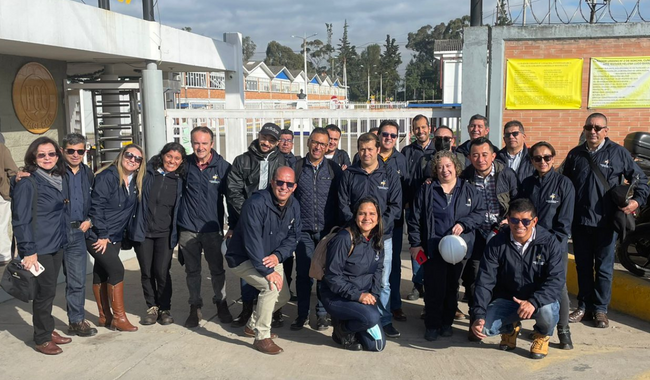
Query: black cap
<point x="271" y="129"/>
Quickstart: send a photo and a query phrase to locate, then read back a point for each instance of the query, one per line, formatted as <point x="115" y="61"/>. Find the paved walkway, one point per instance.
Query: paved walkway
<point x="215" y="351"/>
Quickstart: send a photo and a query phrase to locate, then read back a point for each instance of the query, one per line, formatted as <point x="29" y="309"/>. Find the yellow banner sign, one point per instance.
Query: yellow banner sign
<point x="620" y="82"/>
<point x="544" y="84"/>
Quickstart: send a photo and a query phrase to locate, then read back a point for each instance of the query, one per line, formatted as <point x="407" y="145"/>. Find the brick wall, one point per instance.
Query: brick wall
<point x="562" y="128"/>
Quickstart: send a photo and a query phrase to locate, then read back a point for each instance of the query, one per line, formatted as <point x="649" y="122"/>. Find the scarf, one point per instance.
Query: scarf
<point x="52" y="179"/>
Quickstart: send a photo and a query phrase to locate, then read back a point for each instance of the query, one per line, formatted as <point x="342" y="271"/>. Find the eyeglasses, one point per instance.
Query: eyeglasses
<point x="515" y="221"/>
<point x="43" y="155"/>
<point x="79" y="151"/>
<point x="598" y="128"/>
<point x="318" y="143"/>
<point x="546" y="158"/>
<point x="286" y="140"/>
<point x="290" y="185"/>
<point x="444" y="138"/>
<point x="513" y="134"/>
<point x="131" y="156"/>
<point x="391" y="135"/>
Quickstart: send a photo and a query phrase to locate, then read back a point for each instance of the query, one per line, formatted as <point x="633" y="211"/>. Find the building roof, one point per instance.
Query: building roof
<point x="447" y="45"/>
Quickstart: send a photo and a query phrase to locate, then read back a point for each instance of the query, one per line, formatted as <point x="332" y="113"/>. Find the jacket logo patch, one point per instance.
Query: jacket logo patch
<point x="539" y="260"/>
<point x="382" y="185"/>
<point x="215" y="179"/>
<point x="553" y="198"/>
<point x="606" y="164"/>
<point x="469" y="202"/>
<point x="291" y="223"/>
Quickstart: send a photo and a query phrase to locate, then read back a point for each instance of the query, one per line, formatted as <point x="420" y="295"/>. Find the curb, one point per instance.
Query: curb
<point x="630" y="294"/>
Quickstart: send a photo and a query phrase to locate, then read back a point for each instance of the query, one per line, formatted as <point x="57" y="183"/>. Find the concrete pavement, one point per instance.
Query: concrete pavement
<point x="215" y="351"/>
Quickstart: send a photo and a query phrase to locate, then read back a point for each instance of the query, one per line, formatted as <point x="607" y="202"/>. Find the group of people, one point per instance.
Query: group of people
<point x="511" y="207"/>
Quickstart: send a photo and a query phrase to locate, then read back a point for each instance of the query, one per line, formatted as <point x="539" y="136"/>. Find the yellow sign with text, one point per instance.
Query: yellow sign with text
<point x="544" y="84"/>
<point x="620" y="82"/>
<point x="125" y="1"/>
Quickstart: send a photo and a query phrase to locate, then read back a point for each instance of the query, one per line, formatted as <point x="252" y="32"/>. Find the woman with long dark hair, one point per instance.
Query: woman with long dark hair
<point x="153" y="230"/>
<point x="116" y="193"/>
<point x="40" y="226"/>
<point x="352" y="282"/>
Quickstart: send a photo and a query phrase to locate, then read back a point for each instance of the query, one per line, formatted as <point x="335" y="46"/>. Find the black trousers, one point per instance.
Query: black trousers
<point x="441" y="291"/>
<point x="471" y="269"/>
<point x="155" y="258"/>
<point x="46" y="290"/>
<point x="108" y="266"/>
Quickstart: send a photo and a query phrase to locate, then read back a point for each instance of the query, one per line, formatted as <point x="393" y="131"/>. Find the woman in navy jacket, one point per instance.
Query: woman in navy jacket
<point x="448" y="205"/>
<point x="553" y="196"/>
<point x="352" y="281"/>
<point x="115" y="195"/>
<point x="153" y="230"/>
<point x="40" y="226"/>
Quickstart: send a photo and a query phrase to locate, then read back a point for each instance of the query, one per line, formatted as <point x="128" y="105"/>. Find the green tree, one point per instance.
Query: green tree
<point x="503" y="18"/>
<point x="248" y="48"/>
<point x="280" y="55"/>
<point x="329" y="49"/>
<point x="349" y="58"/>
<point x="390" y="61"/>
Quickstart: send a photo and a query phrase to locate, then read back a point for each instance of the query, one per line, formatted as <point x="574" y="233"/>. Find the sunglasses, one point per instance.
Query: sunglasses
<point x="131" y="156"/>
<point x="79" y="151"/>
<point x="443" y="138"/>
<point x="43" y="155"/>
<point x="513" y="134"/>
<point x="391" y="135"/>
<point x="290" y="185"/>
<point x="546" y="158"/>
<point x="598" y="128"/>
<point x="515" y="221"/>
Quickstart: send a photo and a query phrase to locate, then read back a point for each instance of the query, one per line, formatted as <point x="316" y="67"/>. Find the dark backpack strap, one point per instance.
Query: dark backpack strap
<point x="298" y="169"/>
<point x="597" y="172"/>
<point x="34" y="203"/>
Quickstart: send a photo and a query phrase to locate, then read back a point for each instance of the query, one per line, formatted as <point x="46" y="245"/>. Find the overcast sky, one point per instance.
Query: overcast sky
<point x="369" y="21"/>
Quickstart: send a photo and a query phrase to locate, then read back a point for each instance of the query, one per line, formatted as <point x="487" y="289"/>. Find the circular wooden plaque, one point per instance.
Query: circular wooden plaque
<point x="35" y="98"/>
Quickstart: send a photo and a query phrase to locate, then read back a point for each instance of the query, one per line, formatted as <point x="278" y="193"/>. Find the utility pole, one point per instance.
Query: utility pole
<point x="104" y="4"/>
<point x="304" y="44"/>
<point x="523" y="20"/>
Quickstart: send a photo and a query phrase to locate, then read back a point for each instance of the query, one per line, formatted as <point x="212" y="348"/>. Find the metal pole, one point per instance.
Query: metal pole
<point x="104" y="4"/>
<point x="523" y="20"/>
<point x="153" y="110"/>
<point x="304" y="44"/>
<point x="147" y="10"/>
<point x="381" y="88"/>
<point x="476" y="13"/>
<point x="368" y="83"/>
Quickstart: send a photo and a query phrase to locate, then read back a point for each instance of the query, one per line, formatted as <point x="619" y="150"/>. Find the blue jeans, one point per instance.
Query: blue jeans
<point x="384" y="296"/>
<point x="594" y="252"/>
<point x="75" y="259"/>
<point x="304" y="253"/>
<point x="395" y="278"/>
<point x="357" y="318"/>
<point x="502" y="315"/>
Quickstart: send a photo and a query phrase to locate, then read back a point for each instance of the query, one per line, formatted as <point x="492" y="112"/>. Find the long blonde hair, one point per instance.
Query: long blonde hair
<point x="117" y="162"/>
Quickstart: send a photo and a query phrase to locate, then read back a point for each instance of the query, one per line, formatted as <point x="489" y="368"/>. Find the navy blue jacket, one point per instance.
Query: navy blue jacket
<point x="49" y="234"/>
<point x="201" y="207"/>
<point x="317" y="195"/>
<point x="553" y="196"/>
<point x="397" y="162"/>
<point x="383" y="184"/>
<point x="137" y="227"/>
<point x="350" y="276"/>
<point x="112" y="206"/>
<point x="262" y="230"/>
<point x="413" y="154"/>
<point x="506" y="184"/>
<point x="87" y="179"/>
<point x="468" y="210"/>
<point x="525" y="168"/>
<point x="537" y="276"/>
<point x="593" y="208"/>
<point x="291" y="159"/>
<point x="341" y="157"/>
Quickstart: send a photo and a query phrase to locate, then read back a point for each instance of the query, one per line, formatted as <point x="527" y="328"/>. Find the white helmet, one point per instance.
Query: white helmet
<point x="452" y="249"/>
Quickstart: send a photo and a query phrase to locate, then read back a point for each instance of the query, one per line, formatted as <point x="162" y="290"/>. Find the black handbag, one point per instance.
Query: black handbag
<point x="19" y="282"/>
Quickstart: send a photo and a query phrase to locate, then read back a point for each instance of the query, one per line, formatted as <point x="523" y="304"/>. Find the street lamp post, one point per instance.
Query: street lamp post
<point x="368" y="67"/>
<point x="304" y="44"/>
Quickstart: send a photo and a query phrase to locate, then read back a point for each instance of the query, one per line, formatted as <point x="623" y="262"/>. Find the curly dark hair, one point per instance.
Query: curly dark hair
<point x="446" y="154"/>
<point x="30" y="156"/>
<point x="157" y="162"/>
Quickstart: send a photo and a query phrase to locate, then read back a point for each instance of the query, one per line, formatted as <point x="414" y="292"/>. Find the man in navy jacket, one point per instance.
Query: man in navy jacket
<point x="372" y="177"/>
<point x="333" y="153"/>
<point x="515" y="154"/>
<point x="200" y="222"/>
<point x="594" y="239"/>
<point x="265" y="236"/>
<point x="520" y="277"/>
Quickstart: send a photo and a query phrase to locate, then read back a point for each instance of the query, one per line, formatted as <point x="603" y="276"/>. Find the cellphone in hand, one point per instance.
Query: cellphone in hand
<point x="421" y="258"/>
<point x="37" y="269"/>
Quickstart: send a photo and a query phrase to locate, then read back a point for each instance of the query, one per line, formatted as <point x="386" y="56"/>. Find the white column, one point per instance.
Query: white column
<point x="153" y="110"/>
<point x="235" y="128"/>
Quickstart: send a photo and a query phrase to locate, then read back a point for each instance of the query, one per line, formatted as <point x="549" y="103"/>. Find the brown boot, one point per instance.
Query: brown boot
<point x="509" y="341"/>
<point x="539" y="348"/>
<point x="120" y="322"/>
<point x="101" y="296"/>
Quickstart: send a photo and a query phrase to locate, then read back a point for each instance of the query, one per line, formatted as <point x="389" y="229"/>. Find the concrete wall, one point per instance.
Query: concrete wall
<point x="16" y="136"/>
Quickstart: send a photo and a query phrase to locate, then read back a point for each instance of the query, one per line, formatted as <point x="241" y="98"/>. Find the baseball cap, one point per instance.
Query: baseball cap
<point x="271" y="129"/>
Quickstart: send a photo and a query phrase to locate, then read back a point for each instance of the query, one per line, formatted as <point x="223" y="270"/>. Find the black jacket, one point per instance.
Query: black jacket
<point x="262" y="230"/>
<point x="49" y="232"/>
<point x="317" y="195"/>
<point x="506" y="184"/>
<point x="112" y="206"/>
<point x="413" y="154"/>
<point x="341" y="157"/>
<point x="468" y="211"/>
<point x="201" y="204"/>
<point x="87" y="180"/>
<point x="538" y="276"/>
<point x="244" y="178"/>
<point x="593" y="208"/>
<point x="553" y="196"/>
<point x="169" y="182"/>
<point x="397" y="162"/>
<point x="383" y="184"/>
<point x="291" y="159"/>
<point x="525" y="168"/>
<point x="350" y="276"/>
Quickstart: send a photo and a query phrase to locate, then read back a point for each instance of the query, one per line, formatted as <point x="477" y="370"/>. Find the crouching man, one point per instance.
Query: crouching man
<point x="520" y="277"/>
<point x="266" y="235"/>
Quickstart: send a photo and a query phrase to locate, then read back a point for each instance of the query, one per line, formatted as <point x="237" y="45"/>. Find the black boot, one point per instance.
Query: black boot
<point x="244" y="316"/>
<point x="564" y="334"/>
<point x="223" y="313"/>
<point x="345" y="338"/>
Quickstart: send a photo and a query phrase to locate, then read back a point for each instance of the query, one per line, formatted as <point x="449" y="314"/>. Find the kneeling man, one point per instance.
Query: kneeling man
<point x="520" y="277"/>
<point x="265" y="236"/>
